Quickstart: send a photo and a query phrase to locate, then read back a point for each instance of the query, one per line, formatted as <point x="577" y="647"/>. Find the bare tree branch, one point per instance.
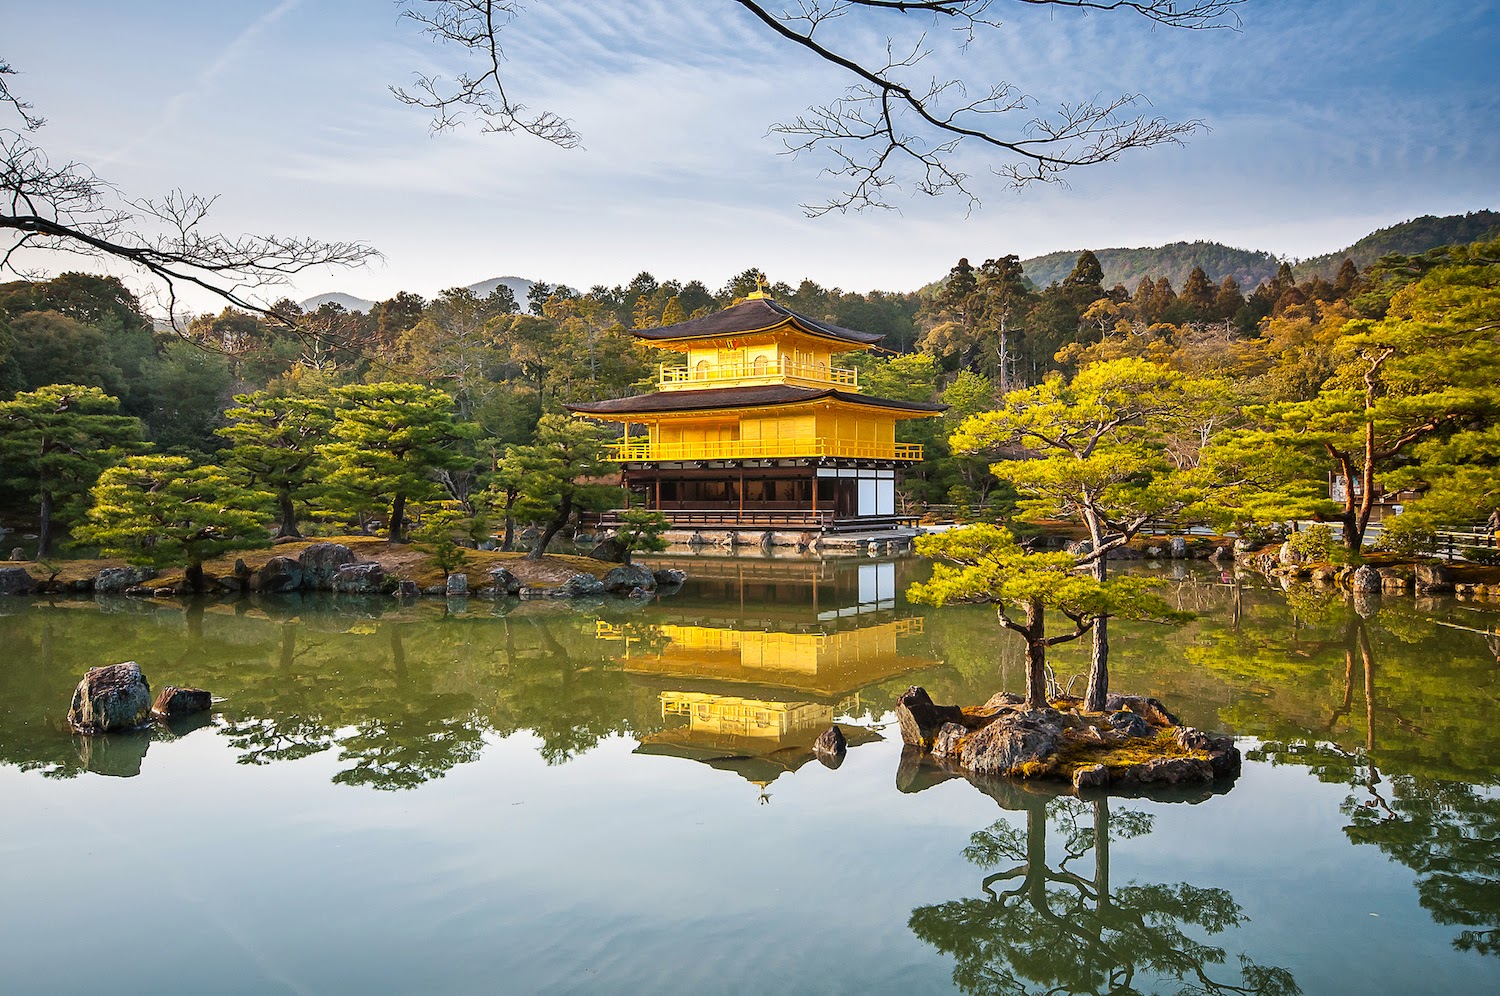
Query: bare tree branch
<point x="890" y="123"/>
<point x="67" y="208"/>
<point x="476" y="25"/>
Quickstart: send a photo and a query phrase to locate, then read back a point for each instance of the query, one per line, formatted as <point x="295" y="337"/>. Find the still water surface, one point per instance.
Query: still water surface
<point x="622" y="798"/>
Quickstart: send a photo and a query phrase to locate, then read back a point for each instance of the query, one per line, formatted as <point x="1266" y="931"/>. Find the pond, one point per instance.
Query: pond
<point x="537" y="797"/>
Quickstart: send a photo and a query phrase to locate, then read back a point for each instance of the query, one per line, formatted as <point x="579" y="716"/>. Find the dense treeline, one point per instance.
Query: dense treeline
<point x="303" y="419"/>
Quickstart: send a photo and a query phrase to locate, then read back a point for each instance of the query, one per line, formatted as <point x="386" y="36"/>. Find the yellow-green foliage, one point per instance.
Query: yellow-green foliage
<point x="984" y="563"/>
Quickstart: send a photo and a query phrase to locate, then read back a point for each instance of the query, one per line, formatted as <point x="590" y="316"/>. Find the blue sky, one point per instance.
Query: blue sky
<point x="1325" y="121"/>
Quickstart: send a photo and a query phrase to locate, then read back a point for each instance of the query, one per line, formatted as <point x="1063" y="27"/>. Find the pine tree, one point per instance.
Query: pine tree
<point x="275" y="441"/>
<point x="163" y="511"/>
<point x="390" y="442"/>
<point x="55" y="441"/>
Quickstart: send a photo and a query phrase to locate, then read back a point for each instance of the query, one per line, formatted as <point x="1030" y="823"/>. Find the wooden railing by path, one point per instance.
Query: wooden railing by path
<point x="718" y="518"/>
<point x="731" y="518"/>
<point x="743" y="449"/>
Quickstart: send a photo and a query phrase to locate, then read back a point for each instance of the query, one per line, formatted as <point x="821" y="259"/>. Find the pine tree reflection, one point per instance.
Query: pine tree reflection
<point x="1044" y="926"/>
<point x="1448" y="832"/>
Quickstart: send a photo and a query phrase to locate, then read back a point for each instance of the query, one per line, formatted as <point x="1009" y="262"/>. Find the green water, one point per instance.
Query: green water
<point x="618" y="797"/>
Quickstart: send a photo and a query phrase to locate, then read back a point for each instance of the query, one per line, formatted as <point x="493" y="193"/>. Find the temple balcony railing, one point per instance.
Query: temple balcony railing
<point x="752" y="449"/>
<point x="678" y="378"/>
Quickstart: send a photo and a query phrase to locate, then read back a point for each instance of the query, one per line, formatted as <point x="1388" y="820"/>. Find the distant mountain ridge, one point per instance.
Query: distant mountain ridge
<point x="518" y="286"/>
<point x="1250" y="267"/>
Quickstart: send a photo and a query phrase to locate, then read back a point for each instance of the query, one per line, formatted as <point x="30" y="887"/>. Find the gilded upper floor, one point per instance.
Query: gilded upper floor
<point x="756" y="342"/>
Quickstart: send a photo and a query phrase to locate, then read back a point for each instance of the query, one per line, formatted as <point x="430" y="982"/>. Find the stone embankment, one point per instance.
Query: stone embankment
<point x="1135" y="742"/>
<point x="368" y="570"/>
<point x="1285" y="565"/>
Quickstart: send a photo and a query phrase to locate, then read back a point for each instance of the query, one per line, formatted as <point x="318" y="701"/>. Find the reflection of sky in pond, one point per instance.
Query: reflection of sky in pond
<point x="552" y="857"/>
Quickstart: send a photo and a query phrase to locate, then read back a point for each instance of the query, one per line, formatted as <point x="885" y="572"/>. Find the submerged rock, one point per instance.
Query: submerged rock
<point x="173" y="702"/>
<point x="111" y="699"/>
<point x="830" y="747"/>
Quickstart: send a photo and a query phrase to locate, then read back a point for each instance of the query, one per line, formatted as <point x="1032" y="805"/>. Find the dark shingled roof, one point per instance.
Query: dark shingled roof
<point x="752" y="316"/>
<point x="737" y="397"/>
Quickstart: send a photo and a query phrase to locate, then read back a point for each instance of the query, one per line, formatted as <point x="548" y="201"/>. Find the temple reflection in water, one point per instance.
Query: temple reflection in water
<point x="762" y="657"/>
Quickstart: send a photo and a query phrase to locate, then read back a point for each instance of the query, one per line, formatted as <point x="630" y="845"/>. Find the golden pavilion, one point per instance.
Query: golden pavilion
<point x="754" y="426"/>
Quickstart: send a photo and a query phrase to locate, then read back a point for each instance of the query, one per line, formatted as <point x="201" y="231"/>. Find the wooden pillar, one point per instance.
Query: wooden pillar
<point x="742" y="491"/>
<point x="658" y="490"/>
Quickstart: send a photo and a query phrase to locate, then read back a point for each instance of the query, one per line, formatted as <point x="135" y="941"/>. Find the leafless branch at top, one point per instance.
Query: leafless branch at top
<point x="475" y="25"/>
<point x="67" y="208"/>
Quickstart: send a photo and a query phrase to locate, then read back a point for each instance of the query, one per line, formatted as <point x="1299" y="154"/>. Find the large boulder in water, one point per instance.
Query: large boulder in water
<point x="321" y="562"/>
<point x="111" y="699"/>
<point x="1366" y="579"/>
<point x="1433" y="578"/>
<point x="831" y="746"/>
<point x="669" y="577"/>
<point x="114" y="580"/>
<point x="621" y="580"/>
<point x="503" y="581"/>
<point x="279" y="576"/>
<point x="921" y="719"/>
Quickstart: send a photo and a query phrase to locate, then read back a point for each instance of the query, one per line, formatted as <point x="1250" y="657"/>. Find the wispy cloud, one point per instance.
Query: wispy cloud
<point x="202" y="82"/>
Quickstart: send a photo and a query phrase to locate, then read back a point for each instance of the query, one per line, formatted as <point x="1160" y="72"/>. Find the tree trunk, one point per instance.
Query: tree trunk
<point x="1098" y="690"/>
<point x="510" y="522"/>
<point x="288" y="516"/>
<point x="564" y="511"/>
<point x="1036" y="656"/>
<point x="194" y="577"/>
<point x="44" y="528"/>
<point x="398" y="519"/>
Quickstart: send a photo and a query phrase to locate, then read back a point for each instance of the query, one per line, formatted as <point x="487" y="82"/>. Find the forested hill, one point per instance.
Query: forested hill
<point x="1175" y="261"/>
<point x="1250" y="267"/>
<point x="1409" y="238"/>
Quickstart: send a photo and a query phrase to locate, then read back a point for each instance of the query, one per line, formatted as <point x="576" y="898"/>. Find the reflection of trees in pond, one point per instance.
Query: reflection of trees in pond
<point x="1449" y="834"/>
<point x="1043" y="925"/>
<point x="397" y="700"/>
<point x="1446" y="831"/>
